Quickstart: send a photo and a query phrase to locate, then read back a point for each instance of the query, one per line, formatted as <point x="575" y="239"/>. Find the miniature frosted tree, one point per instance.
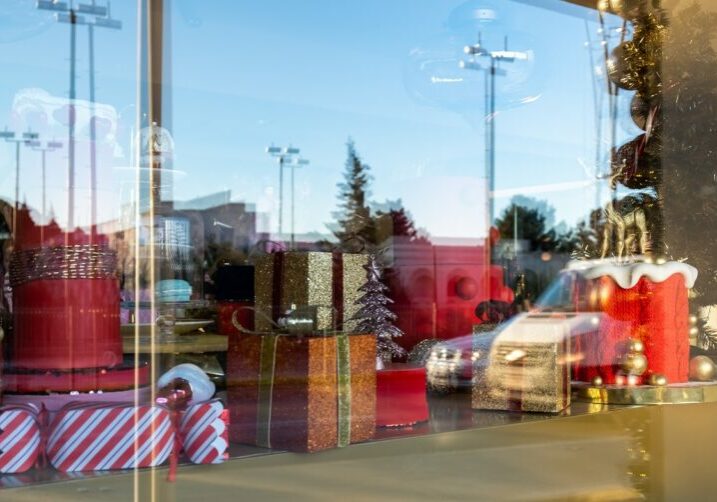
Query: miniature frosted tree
<point x="375" y="317"/>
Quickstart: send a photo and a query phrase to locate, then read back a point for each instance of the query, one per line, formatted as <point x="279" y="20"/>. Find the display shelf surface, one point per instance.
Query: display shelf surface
<point x="460" y="454"/>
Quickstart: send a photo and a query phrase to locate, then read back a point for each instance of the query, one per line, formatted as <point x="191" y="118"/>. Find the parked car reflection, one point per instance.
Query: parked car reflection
<point x="563" y="305"/>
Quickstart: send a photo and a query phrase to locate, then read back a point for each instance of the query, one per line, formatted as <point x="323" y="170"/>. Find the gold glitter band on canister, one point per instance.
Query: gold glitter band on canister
<point x="62" y="262"/>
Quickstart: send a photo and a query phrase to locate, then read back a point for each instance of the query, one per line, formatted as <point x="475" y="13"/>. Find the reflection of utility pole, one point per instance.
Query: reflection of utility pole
<point x="27" y="139"/>
<point x="495" y="58"/>
<point x="49" y="147"/>
<point x="515" y="231"/>
<point x="286" y="156"/>
<point x="65" y="13"/>
<point x="103" y="20"/>
<point x="293" y="165"/>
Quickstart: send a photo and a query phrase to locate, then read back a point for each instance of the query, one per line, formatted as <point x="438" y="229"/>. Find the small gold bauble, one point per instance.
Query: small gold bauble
<point x="702" y="369"/>
<point x="634" y="364"/>
<point x="636" y="345"/>
<point x="596" y="381"/>
<point x="657" y="379"/>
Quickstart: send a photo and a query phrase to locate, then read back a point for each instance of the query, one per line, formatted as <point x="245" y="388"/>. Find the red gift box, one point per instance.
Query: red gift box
<point x="204" y="432"/>
<point x="88" y="437"/>
<point x="401" y="395"/>
<point x="645" y="302"/>
<point x="20" y="437"/>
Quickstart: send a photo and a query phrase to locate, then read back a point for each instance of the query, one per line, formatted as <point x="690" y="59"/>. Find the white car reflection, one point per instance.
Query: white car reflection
<point x="451" y="362"/>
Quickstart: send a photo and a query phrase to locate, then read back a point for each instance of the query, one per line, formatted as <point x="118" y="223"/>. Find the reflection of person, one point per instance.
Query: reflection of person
<point x="526" y="290"/>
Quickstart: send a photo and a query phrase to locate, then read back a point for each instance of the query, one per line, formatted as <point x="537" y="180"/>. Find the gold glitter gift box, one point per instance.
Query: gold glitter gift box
<point x="526" y="367"/>
<point x="328" y="282"/>
<point x="302" y="393"/>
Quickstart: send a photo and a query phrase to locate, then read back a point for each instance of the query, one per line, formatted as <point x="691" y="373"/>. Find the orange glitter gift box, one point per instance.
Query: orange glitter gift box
<point x="301" y="393"/>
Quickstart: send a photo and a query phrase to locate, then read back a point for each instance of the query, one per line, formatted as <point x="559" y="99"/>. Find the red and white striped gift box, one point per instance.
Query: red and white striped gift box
<point x="204" y="432"/>
<point x="19" y="437"/>
<point x="94" y="437"/>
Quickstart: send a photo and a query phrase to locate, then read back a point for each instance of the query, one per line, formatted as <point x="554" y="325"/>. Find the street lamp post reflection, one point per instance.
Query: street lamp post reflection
<point x="99" y="16"/>
<point x="287" y="156"/>
<point x="495" y="58"/>
<point x="27" y="138"/>
<point x="49" y="147"/>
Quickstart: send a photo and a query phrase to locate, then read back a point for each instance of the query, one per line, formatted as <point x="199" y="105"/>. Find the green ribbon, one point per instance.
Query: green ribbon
<point x="267" y="369"/>
<point x="343" y="373"/>
<point x="267" y="365"/>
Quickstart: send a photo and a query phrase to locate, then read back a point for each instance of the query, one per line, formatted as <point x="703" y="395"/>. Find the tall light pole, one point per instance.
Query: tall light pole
<point x="495" y="58"/>
<point x="66" y="14"/>
<point x="49" y="147"/>
<point x="100" y="17"/>
<point x="293" y="164"/>
<point x="283" y="155"/>
<point x="25" y="139"/>
<point x="493" y="69"/>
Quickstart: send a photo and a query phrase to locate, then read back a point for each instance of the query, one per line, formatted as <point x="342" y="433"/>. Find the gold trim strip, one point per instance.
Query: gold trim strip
<point x="693" y="392"/>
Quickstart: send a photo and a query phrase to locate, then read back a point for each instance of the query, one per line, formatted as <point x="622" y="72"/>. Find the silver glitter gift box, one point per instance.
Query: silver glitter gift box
<point x="329" y="282"/>
<point x="525" y="368"/>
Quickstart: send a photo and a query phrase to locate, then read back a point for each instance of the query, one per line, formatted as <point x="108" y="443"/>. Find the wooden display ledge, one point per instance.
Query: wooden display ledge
<point x="177" y="344"/>
<point x="165" y="349"/>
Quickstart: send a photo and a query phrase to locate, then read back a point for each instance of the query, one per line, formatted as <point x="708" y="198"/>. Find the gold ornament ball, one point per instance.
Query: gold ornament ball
<point x="657" y="379"/>
<point x="702" y="369"/>
<point x="634" y="364"/>
<point x="596" y="381"/>
<point x="636" y="345"/>
<point x="625" y="66"/>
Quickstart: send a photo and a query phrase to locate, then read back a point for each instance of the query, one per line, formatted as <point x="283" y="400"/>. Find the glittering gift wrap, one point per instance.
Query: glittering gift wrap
<point x="204" y="432"/>
<point x="328" y="281"/>
<point x="527" y="367"/>
<point x="20" y="437"/>
<point x="302" y="393"/>
<point x="639" y="301"/>
<point x="102" y="436"/>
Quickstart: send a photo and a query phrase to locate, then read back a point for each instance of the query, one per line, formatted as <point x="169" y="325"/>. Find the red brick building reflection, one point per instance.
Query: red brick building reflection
<point x="437" y="286"/>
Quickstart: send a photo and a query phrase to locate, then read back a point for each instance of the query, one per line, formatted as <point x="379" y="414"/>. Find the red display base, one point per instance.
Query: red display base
<point x="401" y="395"/>
<point x="67" y="324"/>
<point x="48" y="381"/>
<point x="55" y="402"/>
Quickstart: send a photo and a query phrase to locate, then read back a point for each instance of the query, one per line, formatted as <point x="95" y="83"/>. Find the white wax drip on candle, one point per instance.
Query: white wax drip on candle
<point x="627" y="275"/>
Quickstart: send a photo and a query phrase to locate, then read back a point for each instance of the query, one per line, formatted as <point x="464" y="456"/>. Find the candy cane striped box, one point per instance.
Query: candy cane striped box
<point x="204" y="432"/>
<point x="19" y="437"/>
<point x="95" y="437"/>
